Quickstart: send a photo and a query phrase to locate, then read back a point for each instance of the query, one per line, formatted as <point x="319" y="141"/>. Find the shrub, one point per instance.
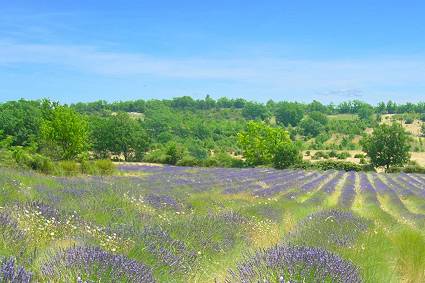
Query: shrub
<point x="67" y="167"/>
<point x="359" y="155"/>
<point x="286" y="155"/>
<point x="333" y="153"/>
<point x="187" y="160"/>
<point x="343" y="155"/>
<point x="42" y="164"/>
<point x="338" y="165"/>
<point x="105" y="166"/>
<point x="88" y="167"/>
<point x="408" y="169"/>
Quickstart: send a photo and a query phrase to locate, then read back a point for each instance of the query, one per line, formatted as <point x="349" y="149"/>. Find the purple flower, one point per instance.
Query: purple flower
<point x="13" y="273"/>
<point x="294" y="264"/>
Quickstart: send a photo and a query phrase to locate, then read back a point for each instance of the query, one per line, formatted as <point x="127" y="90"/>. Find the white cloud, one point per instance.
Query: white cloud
<point x="326" y="77"/>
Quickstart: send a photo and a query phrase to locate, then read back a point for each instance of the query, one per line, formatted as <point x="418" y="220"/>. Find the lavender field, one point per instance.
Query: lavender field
<point x="180" y="224"/>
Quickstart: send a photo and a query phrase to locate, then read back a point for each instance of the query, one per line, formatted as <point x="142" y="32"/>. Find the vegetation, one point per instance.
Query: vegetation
<point x="185" y="131"/>
<point x="388" y="146"/>
<point x="179" y="224"/>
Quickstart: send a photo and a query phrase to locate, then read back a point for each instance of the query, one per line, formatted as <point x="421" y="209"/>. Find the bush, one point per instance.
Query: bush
<point x="33" y="161"/>
<point x="408" y="120"/>
<point x="339" y="165"/>
<point x="68" y="168"/>
<point x="286" y="155"/>
<point x="408" y="169"/>
<point x="187" y="160"/>
<point x="42" y="164"/>
<point x="156" y="156"/>
<point x="88" y="167"/>
<point x="333" y="153"/>
<point x="104" y="166"/>
<point x="359" y="155"/>
<point x="343" y="155"/>
<point x="319" y="155"/>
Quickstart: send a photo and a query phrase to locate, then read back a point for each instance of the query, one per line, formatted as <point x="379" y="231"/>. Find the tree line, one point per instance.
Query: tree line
<point x="184" y="131"/>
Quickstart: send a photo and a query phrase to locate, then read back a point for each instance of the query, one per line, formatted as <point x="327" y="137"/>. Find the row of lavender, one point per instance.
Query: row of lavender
<point x="269" y="182"/>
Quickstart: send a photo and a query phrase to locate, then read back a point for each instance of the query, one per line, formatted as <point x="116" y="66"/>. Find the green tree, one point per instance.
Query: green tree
<point x="66" y="134"/>
<point x="310" y="127"/>
<point x="289" y="113"/>
<point x="119" y="134"/>
<point x="260" y="142"/>
<point x="21" y="120"/>
<point x="387" y="146"/>
<point x="319" y="117"/>
<point x="286" y="155"/>
<point x="254" y="111"/>
<point x="365" y="113"/>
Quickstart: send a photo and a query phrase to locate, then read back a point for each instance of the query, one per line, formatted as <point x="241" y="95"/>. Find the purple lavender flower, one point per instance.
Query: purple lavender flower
<point x="328" y="228"/>
<point x="294" y="264"/>
<point x="13" y="273"/>
<point x="93" y="263"/>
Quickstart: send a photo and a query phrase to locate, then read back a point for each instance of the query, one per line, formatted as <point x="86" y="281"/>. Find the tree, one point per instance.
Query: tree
<point x="254" y="111"/>
<point x="65" y="134"/>
<point x="21" y="120"/>
<point x="119" y="134"/>
<point x="289" y="113"/>
<point x="310" y="127"/>
<point x="319" y="117"/>
<point x="365" y="113"/>
<point x="260" y="142"/>
<point x="387" y="146"/>
<point x="286" y="155"/>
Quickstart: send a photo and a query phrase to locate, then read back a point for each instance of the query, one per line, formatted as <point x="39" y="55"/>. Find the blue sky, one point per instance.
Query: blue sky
<point x="283" y="50"/>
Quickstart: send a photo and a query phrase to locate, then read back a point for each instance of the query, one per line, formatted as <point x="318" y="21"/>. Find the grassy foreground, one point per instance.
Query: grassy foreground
<point x="180" y="224"/>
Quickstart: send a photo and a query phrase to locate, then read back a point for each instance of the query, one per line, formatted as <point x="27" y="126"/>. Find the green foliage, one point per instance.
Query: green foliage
<point x="423" y="129"/>
<point x="365" y="112"/>
<point x="343" y="155"/>
<point x="260" y="142"/>
<point x="289" y="113"/>
<point x="66" y="134"/>
<point x="34" y="161"/>
<point x="104" y="166"/>
<point x="338" y="165"/>
<point x="21" y="120"/>
<point x="174" y="152"/>
<point x="387" y="146"/>
<point x="319" y="117"/>
<point x="310" y="127"/>
<point x="118" y="134"/>
<point x="286" y="155"/>
<point x="254" y="111"/>
<point x="68" y="168"/>
<point x="223" y="159"/>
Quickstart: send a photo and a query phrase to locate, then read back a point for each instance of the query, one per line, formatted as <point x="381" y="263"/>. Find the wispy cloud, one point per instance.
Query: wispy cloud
<point x="335" y="78"/>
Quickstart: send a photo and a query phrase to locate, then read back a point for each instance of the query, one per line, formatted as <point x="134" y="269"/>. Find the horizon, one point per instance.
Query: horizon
<point x="328" y="51"/>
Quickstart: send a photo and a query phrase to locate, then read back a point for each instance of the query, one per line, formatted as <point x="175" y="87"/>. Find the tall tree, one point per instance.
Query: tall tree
<point x="387" y="146"/>
<point x="119" y="134"/>
<point x="289" y="113"/>
<point x="65" y="134"/>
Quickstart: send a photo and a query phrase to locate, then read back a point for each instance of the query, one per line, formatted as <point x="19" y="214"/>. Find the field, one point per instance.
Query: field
<point x="181" y="224"/>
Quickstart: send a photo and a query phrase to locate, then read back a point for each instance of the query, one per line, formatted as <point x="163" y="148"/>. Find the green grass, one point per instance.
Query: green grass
<point x="206" y="234"/>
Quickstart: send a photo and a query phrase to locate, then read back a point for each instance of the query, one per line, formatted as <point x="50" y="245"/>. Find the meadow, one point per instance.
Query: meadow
<point x="161" y="223"/>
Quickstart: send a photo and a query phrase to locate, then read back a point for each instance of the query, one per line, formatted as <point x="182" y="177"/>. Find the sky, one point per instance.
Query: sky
<point x="324" y="50"/>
